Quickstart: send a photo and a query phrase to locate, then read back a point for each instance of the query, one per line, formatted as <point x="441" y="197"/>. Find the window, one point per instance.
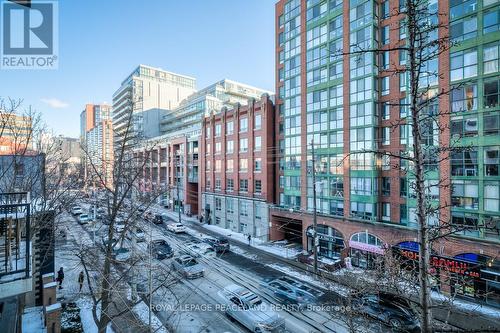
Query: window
<point x="258" y="143"/>
<point x="491" y="161"/>
<point x="403" y="214"/>
<point x="208" y="132"/>
<point x="243" y="145"/>
<point x="362" y="210"/>
<point x="384" y="35"/>
<point x="230" y="184"/>
<point x="243" y="209"/>
<point x="209" y="151"/>
<point x="491" y="123"/>
<point x="385" y="89"/>
<point x="462" y="7"/>
<point x="492" y="196"/>
<point x="463" y="64"/>
<point x="230" y="205"/>
<point x="230" y="147"/>
<point x="208" y="166"/>
<point x="465" y="194"/>
<point x="218" y="129"/>
<point x="404" y="107"/>
<point x="258" y="164"/>
<point x="229" y="166"/>
<point x="229" y="128"/>
<point x="386" y="135"/>
<point x="243" y="124"/>
<point x="491" y="94"/>
<point x="317" y="100"/>
<point x="402" y="29"/>
<point x="384" y="60"/>
<point x="218" y="204"/>
<point x="402" y="57"/>
<point x="386" y="186"/>
<point x="386" y="211"/>
<point x="361" y="186"/>
<point x="258" y="213"/>
<point x="402" y="81"/>
<point x="464" y="98"/>
<point x="490" y="58"/>
<point x="207" y="185"/>
<point x="385" y="111"/>
<point x="258" y="121"/>
<point x="336" y="27"/>
<point x="258" y="186"/>
<point x="384" y="9"/>
<point x="243" y="185"/>
<point x="464" y="163"/>
<point x="464" y="127"/>
<point x="218" y="147"/>
<point x="403" y="187"/>
<point x="491" y="21"/>
<point x="463" y="29"/>
<point x="243" y="165"/>
<point x="218" y="165"/>
<point x="217" y="184"/>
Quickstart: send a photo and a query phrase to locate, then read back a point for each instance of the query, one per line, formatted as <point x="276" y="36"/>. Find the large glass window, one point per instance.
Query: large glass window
<point x="243" y="124"/>
<point x="491" y="123"/>
<point x="362" y="210"/>
<point x="490" y="58"/>
<point x="491" y="161"/>
<point x="317" y="100"/>
<point x="464" y="163"/>
<point x="243" y="145"/>
<point x="464" y="98"/>
<point x="465" y="194"/>
<point x="491" y="21"/>
<point x="363" y="186"/>
<point x="464" y="29"/>
<point x="491" y="94"/>
<point x="462" y="7"/>
<point x="463" y="64"/>
<point x="492" y="196"/>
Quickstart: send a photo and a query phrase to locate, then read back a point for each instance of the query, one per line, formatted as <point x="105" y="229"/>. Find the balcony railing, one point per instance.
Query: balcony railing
<point x="15" y="246"/>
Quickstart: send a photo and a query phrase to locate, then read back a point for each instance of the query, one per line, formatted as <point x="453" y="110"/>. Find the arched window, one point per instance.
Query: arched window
<point x="366" y="249"/>
<point x="367" y="238"/>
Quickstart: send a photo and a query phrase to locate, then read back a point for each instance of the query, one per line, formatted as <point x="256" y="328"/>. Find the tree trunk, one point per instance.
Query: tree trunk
<point x="423" y="236"/>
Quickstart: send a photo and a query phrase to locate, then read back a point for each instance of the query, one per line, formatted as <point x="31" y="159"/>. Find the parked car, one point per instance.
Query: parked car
<point x="148" y="216"/>
<point x="220" y="244"/>
<point x="188" y="266"/>
<point x="390" y="309"/>
<point x="176" y="227"/>
<point x="84" y="219"/>
<point x="119" y="225"/>
<point x="122" y="254"/>
<point x="161" y="249"/>
<point x="105" y="242"/>
<point x="289" y="294"/>
<point x="138" y="234"/>
<point x="198" y="249"/>
<point x="76" y="210"/>
<point x="316" y="293"/>
<point x="249" y="310"/>
<point x="158" y="219"/>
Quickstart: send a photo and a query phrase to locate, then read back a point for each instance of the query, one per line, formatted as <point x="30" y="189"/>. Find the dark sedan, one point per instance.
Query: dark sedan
<point x="392" y="310"/>
<point x="161" y="249"/>
<point x="219" y="245"/>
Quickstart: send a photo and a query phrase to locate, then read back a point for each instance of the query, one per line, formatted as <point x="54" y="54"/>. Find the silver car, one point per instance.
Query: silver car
<point x="188" y="266"/>
<point x="249" y="310"/>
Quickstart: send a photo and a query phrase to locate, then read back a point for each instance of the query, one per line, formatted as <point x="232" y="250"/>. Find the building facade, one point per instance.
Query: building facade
<point x="237" y="167"/>
<point x="143" y="98"/>
<point x="173" y="166"/>
<point x="16" y="133"/>
<point x="347" y="103"/>
<point x="96" y="138"/>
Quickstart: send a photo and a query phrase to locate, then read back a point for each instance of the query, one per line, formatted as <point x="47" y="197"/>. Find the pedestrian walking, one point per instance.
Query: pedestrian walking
<point x="60" y="277"/>
<point x="249" y="239"/>
<point x="81" y="277"/>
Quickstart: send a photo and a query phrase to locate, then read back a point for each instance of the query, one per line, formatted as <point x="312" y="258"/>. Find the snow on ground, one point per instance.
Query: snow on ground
<point x="239" y="251"/>
<point x="142" y="311"/>
<point x="89" y="326"/>
<point x="279" y="248"/>
<point x="467" y="306"/>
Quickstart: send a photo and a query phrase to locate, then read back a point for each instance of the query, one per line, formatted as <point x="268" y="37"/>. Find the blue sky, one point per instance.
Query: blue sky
<point x="101" y="42"/>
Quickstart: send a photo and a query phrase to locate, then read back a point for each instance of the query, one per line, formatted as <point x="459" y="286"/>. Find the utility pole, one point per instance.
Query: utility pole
<point x="315" y="220"/>
<point x="177" y="186"/>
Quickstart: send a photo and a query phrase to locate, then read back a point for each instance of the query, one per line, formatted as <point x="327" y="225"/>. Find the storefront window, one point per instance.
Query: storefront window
<point x="366" y="250"/>
<point x="331" y="242"/>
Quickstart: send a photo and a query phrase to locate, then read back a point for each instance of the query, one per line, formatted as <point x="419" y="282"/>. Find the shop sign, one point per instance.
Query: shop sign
<point x="448" y="264"/>
<point x="366" y="247"/>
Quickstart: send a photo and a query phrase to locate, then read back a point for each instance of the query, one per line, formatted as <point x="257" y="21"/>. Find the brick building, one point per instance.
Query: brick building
<point x="347" y="105"/>
<point x="238" y="167"/>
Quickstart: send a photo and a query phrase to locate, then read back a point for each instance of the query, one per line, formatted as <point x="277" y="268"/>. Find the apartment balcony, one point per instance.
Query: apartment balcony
<point x="15" y="245"/>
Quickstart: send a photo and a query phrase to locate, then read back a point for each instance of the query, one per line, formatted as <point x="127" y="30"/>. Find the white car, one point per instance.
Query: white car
<point x="249" y="310"/>
<point x="138" y="234"/>
<point x="84" y="219"/>
<point x="198" y="249"/>
<point x="176" y="227"/>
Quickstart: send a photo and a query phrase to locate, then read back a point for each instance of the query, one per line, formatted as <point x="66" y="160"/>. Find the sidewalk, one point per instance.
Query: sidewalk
<point x="465" y="315"/>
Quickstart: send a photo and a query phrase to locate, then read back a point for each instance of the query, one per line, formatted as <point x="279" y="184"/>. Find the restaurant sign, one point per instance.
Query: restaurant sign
<point x="444" y="263"/>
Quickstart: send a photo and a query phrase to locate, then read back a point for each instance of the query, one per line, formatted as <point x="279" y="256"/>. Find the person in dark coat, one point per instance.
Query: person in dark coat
<point x="60" y="277"/>
<point x="81" y="277"/>
<point x="249" y="239"/>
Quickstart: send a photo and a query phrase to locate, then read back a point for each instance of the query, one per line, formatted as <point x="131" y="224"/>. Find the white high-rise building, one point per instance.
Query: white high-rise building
<point x="148" y="93"/>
